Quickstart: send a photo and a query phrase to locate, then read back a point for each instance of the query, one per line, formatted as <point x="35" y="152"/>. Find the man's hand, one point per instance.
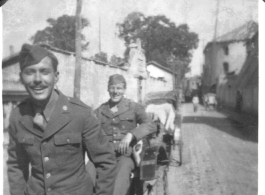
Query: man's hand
<point x="125" y="142"/>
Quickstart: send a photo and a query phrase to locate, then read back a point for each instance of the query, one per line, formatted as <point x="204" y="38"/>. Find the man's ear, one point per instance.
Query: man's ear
<point x="56" y="77"/>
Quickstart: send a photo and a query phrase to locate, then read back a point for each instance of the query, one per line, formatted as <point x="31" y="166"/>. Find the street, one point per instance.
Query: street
<point x="219" y="156"/>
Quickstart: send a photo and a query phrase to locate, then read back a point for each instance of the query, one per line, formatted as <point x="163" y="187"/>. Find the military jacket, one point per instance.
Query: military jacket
<point x="57" y="155"/>
<point x="131" y="117"/>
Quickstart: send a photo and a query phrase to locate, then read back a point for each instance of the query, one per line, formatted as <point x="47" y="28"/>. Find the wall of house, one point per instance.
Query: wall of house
<point x="255" y="98"/>
<point x="227" y="95"/>
<point x="212" y="68"/>
<point x="235" y="58"/>
<point x="94" y="80"/>
<point x="247" y="82"/>
<point x="215" y="57"/>
<point x="158" y="79"/>
<point x="10" y="78"/>
<point x="250" y="99"/>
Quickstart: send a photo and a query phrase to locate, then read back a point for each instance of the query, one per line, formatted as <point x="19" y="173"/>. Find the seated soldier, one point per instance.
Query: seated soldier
<point x="125" y="123"/>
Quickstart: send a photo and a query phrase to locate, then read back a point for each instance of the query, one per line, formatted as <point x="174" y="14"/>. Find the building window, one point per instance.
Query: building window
<point x="226" y="67"/>
<point x="226" y="50"/>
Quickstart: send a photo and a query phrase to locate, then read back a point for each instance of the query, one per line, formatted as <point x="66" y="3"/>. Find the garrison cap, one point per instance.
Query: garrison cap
<point x="116" y="78"/>
<point x="33" y="54"/>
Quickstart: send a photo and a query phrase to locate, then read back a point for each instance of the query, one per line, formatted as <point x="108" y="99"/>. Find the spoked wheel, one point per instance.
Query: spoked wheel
<point x="180" y="147"/>
<point x="176" y="162"/>
<point x="160" y="187"/>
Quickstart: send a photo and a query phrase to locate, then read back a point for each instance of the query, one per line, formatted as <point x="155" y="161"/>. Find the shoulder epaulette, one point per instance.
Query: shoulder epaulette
<point x="78" y="102"/>
<point x="102" y="105"/>
<point x="131" y="103"/>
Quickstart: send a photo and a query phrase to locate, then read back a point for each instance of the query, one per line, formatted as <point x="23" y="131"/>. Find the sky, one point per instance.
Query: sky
<point x="22" y="18"/>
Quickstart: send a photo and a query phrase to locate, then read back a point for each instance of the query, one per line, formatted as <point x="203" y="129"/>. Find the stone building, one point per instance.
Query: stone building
<point x="226" y="55"/>
<point x="245" y="83"/>
<point x="141" y="77"/>
<point x="225" y="60"/>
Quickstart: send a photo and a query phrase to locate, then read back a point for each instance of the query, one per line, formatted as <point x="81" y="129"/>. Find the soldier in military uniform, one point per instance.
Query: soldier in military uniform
<point x="52" y="132"/>
<point x="119" y="118"/>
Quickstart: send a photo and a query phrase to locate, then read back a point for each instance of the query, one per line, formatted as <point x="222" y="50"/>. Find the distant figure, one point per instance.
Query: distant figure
<point x="195" y="101"/>
<point x="206" y="102"/>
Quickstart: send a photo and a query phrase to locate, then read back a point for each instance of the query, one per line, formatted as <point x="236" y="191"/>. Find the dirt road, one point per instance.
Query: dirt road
<point x="219" y="156"/>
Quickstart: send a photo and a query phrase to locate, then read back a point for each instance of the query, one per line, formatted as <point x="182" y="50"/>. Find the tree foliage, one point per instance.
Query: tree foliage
<point x="115" y="60"/>
<point x="60" y="33"/>
<point x="162" y="40"/>
<point x="101" y="56"/>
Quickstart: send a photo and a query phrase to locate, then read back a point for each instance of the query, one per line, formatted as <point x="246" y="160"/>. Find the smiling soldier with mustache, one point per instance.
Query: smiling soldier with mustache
<point x="125" y="122"/>
<point x="52" y="132"/>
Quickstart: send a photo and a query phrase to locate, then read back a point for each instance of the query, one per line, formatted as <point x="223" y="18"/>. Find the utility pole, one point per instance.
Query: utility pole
<point x="214" y="47"/>
<point x="99" y="33"/>
<point x="216" y="21"/>
<point x="78" y="49"/>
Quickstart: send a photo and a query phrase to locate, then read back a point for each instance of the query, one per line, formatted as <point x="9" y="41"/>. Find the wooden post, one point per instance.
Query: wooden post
<point x="78" y="50"/>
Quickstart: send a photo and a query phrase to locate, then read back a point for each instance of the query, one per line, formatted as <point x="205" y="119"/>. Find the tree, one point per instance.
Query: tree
<point x="60" y="33"/>
<point x="161" y="39"/>
<point x="101" y="56"/>
<point x="115" y="60"/>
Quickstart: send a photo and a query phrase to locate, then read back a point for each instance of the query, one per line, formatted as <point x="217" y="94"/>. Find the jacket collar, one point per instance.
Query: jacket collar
<point x="123" y="106"/>
<point x="26" y="119"/>
<point x="59" y="117"/>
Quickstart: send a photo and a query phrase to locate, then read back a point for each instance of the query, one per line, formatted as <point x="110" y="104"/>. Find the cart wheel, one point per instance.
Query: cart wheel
<point x="161" y="185"/>
<point x="180" y="152"/>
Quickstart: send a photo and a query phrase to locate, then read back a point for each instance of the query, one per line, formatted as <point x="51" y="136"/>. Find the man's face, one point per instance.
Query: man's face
<point x="39" y="79"/>
<point x="116" y="92"/>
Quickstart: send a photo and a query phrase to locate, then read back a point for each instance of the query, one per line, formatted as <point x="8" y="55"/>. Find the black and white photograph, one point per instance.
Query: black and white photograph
<point x="131" y="97"/>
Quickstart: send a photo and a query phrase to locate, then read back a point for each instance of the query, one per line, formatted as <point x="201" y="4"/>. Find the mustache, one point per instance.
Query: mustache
<point x="38" y="86"/>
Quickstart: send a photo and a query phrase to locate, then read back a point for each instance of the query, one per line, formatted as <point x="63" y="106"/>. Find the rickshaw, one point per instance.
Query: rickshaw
<point x="153" y="154"/>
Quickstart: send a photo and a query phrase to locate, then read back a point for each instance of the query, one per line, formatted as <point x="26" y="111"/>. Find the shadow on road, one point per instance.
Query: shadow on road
<point x="234" y="128"/>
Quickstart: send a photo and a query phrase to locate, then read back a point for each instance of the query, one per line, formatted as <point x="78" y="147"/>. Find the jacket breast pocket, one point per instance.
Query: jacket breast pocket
<point x="127" y="121"/>
<point x="27" y="141"/>
<point x="67" y="148"/>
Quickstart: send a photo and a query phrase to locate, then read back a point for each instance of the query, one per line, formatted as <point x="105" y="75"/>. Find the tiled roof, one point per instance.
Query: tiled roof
<point x="160" y="66"/>
<point x="244" y="32"/>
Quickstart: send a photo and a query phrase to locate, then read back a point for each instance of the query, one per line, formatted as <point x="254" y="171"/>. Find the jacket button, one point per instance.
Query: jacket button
<point x="46" y="159"/>
<point x="24" y="140"/>
<point x="44" y="143"/>
<point x="48" y="175"/>
<point x="49" y="189"/>
<point x="68" y="140"/>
